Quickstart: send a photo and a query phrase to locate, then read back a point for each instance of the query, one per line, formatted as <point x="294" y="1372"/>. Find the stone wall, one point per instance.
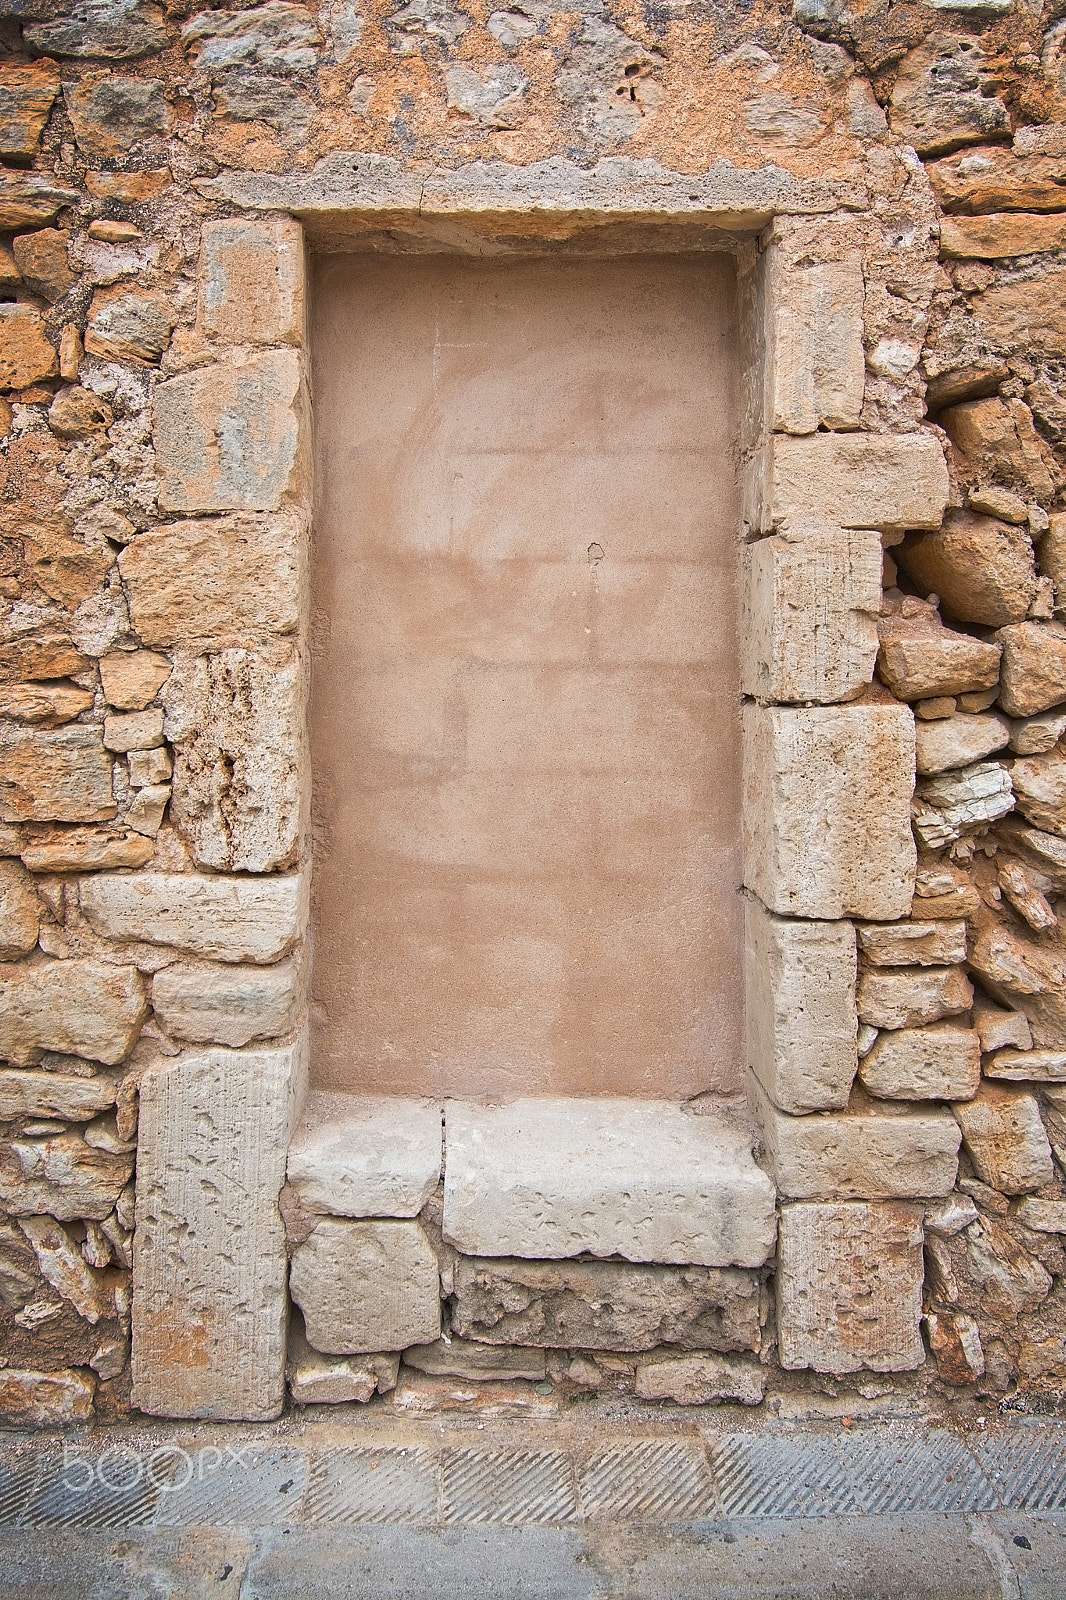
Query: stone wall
<point x="890" y="178"/>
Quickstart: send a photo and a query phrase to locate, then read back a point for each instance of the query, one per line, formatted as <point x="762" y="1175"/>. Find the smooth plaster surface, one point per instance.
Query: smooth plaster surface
<point x="525" y="678"/>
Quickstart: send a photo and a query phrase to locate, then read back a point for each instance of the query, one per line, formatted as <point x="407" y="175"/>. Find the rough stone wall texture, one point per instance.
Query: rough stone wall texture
<point x="902" y="167"/>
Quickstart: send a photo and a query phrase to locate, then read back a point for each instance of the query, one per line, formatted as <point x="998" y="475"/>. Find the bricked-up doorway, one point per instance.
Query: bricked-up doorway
<point x="525" y="733"/>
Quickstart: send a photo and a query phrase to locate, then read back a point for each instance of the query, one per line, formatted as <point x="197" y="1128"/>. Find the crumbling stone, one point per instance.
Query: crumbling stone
<point x="225" y="919"/>
<point x="918" y="658"/>
<point x="905" y="998"/>
<point x="366" y="1286"/>
<point x="1005" y="1139"/>
<point x="700" y="1379"/>
<point x="982" y="569"/>
<point x="942" y="1062"/>
<point x="111" y="113"/>
<point x="26" y="97"/>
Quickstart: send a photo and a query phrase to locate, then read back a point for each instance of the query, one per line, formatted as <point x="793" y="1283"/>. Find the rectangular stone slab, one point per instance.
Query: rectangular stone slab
<point x="209" y="1276"/>
<point x="366" y="1156"/>
<point x="551" y="1179"/>
<point x="229" y="918"/>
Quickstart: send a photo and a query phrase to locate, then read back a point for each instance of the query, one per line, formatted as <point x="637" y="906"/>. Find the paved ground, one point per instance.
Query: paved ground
<point x="594" y="1503"/>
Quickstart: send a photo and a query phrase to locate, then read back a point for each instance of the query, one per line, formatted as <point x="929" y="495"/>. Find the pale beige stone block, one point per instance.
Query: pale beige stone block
<point x="819" y="365"/>
<point x="366" y="1156"/>
<point x="959" y="741"/>
<point x="942" y="1062"/>
<point x="61" y="1176"/>
<point x="56" y="1094"/>
<point x="54" y="775"/>
<point x="908" y="997"/>
<point x="132" y="678"/>
<point x="912" y="944"/>
<point x="809" y="629"/>
<point x="367" y="1286"/>
<point x="209" y="1300"/>
<point x="252" y="282"/>
<point x="641" y="1179"/>
<point x="228" y="919"/>
<point x="229" y="437"/>
<point x="875" y="1151"/>
<point x="800" y="1009"/>
<point x="79" y="1007"/>
<point x="465" y="1358"/>
<point x="136" y="730"/>
<point x="19" y="911"/>
<point x="826" y="817"/>
<point x="1027" y="1066"/>
<point x="849" y="1288"/>
<point x="1005" y="1139"/>
<point x="700" y="1379"/>
<point x="856" y="480"/>
<point x="227" y="1003"/>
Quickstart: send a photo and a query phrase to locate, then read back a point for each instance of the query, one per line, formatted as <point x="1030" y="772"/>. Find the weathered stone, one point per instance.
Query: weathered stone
<point x="252" y="282"/>
<point x="854" y="480"/>
<point x="997" y="438"/>
<point x="133" y="678"/>
<point x="79" y="1007"/>
<point x="366" y="1157"/>
<point x="998" y="1029"/>
<point x="226" y="1003"/>
<point x="53" y="1094"/>
<point x="909" y="999"/>
<point x="78" y="413"/>
<point x="102" y="30"/>
<point x="111" y="114"/>
<point x="45" y="1399"/>
<point x="225" y="919"/>
<point x="493" y="97"/>
<point x="949" y="805"/>
<point x="366" y="1286"/>
<point x="912" y="944"/>
<point x="937" y="1063"/>
<point x="643" y="1180"/>
<point x="315" y="1379"/>
<point x="128" y="188"/>
<point x="700" y="1379"/>
<point x="145" y="811"/>
<point x="63" y="1266"/>
<point x="1034" y="736"/>
<point x="1040" y="791"/>
<point x="26" y="354"/>
<point x="945" y="1218"/>
<point x="958" y="741"/>
<point x="137" y="730"/>
<point x="129" y="324"/>
<point x="991" y="179"/>
<point x="463" y="1358"/>
<point x="955" y="1341"/>
<point x="40" y="656"/>
<point x="148" y="767"/>
<point x="1005" y="1139"/>
<point x="42" y="261"/>
<point x="209" y="1301"/>
<point x="19" y="911"/>
<point x="1004" y="504"/>
<point x="250" y="96"/>
<point x="800" y="1009"/>
<point x="30" y="200"/>
<point x="969" y="382"/>
<point x="809" y="631"/>
<point x="84" y="850"/>
<point x="60" y="1176"/>
<point x="68" y="569"/>
<point x="276" y="37"/>
<point x="941" y="98"/>
<point x="26" y="96"/>
<point x="826" y="816"/>
<point x="1045" y="851"/>
<point x="1034" y="667"/>
<point x="936" y="710"/>
<point x="605" y="1305"/>
<point x="1028" y="1066"/>
<point x="215" y="580"/>
<point x="849" y="1288"/>
<point x="917" y="658"/>
<point x="228" y="438"/>
<point x="992" y="238"/>
<point x="982" y="569"/>
<point x="874" y="1151"/>
<point x="1028" y="976"/>
<point x="1044" y="1216"/>
<point x="818" y="361"/>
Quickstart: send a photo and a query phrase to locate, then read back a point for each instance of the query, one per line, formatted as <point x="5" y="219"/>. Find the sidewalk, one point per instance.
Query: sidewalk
<point x="602" y="1502"/>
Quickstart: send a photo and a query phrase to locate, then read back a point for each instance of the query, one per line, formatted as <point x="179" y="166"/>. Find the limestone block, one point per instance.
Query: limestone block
<point x="1026" y="314"/>
<point x="912" y="944"/>
<point x="129" y="325"/>
<point x="366" y="1286"/>
<point x="1044" y="1216"/>
<point x="55" y="1094"/>
<point x="252" y="282"/>
<point x="26" y="96"/>
<point x="826" y="818"/>
<point x="136" y="730"/>
<point x="819" y="365"/>
<point x="145" y="811"/>
<point x="315" y="1379"/>
<point x="209" y="1302"/>
<point x="800" y="1009"/>
<point x="83" y="1008"/>
<point x="228" y="438"/>
<point x="54" y="775"/>
<point x="982" y="569"/>
<point x="906" y="998"/>
<point x="998" y="439"/>
<point x="111" y="113"/>
<point x="945" y="1218"/>
<point x="106" y="32"/>
<point x="958" y="741"/>
<point x="849" y="1288"/>
<point x="27" y="355"/>
<point x="273" y="38"/>
<point x="45" y="1399"/>
<point x="84" y="850"/>
<point x="1029" y="976"/>
<point x="215" y="580"/>
<point x="856" y="480"/>
<point x="44" y="703"/>
<point x="808" y="630"/>
<point x="1001" y="235"/>
<point x="1005" y="1139"/>
<point x="464" y="1358"/>
<point x="373" y="1156"/>
<point x="950" y="804"/>
<point x="132" y="678"/>
<point x="640" y="1179"/>
<point x="225" y="919"/>
<point x="30" y="199"/>
<point x="999" y="1029"/>
<point x="1040" y="791"/>
<point x="605" y="1305"/>
<point x="942" y="96"/>
<point x="241" y="764"/>
<point x="1027" y="1066"/>
<point x="700" y="1379"/>
<point x="19" y="911"/>
<point x="919" y="660"/>
<point x="874" y="1151"/>
<point x="61" y="1176"/>
<point x="227" y="1003"/>
<point x="149" y="768"/>
<point x="942" y="1062"/>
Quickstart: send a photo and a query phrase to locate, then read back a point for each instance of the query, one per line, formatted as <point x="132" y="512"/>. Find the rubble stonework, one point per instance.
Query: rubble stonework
<point x="891" y="187"/>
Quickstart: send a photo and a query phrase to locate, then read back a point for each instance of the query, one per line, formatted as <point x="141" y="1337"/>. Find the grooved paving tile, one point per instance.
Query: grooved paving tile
<point x="775" y="1475"/>
<point x="256" y="1489"/>
<point x="373" y="1486"/>
<point x="513" y="1488"/>
<point x="1027" y="1467"/>
<point x="656" y="1479"/>
<point x="18" y="1480"/>
<point x="93" y="1490"/>
<point x="936" y="1473"/>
